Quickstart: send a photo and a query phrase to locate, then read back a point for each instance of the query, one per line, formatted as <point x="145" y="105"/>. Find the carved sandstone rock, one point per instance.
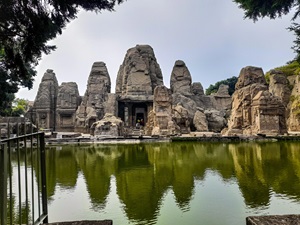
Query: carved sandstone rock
<point x="197" y="88"/>
<point x="109" y="125"/>
<point x="215" y="120"/>
<point x="200" y="121"/>
<point x="293" y="121"/>
<point x="268" y="114"/>
<point x="249" y="108"/>
<point x="181" y="79"/>
<point x="44" y="106"/>
<point x="68" y="100"/>
<point x="91" y="108"/>
<point x="139" y="73"/>
<point x="162" y="110"/>
<point x="279" y="86"/>
<point x="222" y="98"/>
<point x="181" y="118"/>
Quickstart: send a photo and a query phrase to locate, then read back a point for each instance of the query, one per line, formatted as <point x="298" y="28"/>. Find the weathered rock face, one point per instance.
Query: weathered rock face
<point x="182" y="119"/>
<point x="279" y="86"/>
<point x="108" y="126"/>
<point x="222" y="98"/>
<point x="139" y="74"/>
<point x="162" y="112"/>
<point x="267" y="114"/>
<point x="293" y="121"/>
<point x="215" y="119"/>
<point x="43" y="111"/>
<point x="200" y="121"/>
<point x="92" y="105"/>
<point x="250" y="75"/>
<point x="251" y="105"/>
<point x="185" y="102"/>
<point x="110" y="106"/>
<point x="197" y="88"/>
<point x="68" y="100"/>
<point x="181" y="79"/>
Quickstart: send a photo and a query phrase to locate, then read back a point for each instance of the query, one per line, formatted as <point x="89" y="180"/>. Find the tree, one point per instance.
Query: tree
<point x="25" y="28"/>
<point x="19" y="107"/>
<point x="255" y="9"/>
<point x="230" y="82"/>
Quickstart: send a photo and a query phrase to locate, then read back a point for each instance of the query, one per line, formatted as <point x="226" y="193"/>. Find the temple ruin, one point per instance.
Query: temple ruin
<point x="141" y="98"/>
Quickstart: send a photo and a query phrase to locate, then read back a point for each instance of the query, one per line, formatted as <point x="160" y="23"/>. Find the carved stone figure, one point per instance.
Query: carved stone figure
<point x="91" y="108"/>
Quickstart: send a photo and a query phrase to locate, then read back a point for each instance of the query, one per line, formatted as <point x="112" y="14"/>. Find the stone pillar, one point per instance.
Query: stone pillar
<point x="126" y="115"/>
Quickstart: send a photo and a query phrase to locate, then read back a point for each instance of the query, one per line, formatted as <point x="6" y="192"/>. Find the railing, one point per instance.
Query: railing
<point x="23" y="194"/>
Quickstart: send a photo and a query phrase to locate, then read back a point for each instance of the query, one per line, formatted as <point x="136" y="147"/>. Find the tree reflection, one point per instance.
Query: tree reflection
<point x="145" y="172"/>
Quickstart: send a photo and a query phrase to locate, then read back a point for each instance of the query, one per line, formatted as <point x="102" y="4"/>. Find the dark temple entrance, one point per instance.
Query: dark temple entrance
<point x="134" y="112"/>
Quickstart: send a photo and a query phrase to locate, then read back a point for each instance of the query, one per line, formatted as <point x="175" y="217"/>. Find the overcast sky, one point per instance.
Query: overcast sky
<point x="210" y="36"/>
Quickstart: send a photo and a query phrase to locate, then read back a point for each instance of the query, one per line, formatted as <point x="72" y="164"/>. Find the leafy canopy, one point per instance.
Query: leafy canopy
<point x="25" y="28"/>
<point x="230" y="82"/>
<point x="255" y="9"/>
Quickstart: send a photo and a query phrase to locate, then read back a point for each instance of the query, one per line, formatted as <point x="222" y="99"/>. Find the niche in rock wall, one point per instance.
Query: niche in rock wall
<point x="66" y="120"/>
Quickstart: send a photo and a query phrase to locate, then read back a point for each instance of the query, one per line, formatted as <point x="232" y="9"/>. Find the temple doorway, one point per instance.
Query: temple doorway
<point x="134" y="112"/>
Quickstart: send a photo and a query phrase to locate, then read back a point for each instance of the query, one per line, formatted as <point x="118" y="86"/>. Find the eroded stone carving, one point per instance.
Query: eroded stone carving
<point x="68" y="100"/>
<point x="91" y="108"/>
<point x="200" y="121"/>
<point x="182" y="119"/>
<point x="181" y="79"/>
<point x="162" y="111"/>
<point x="43" y="111"/>
<point x="251" y="105"/>
<point x="140" y="73"/>
<point x="222" y="98"/>
<point x="109" y="125"/>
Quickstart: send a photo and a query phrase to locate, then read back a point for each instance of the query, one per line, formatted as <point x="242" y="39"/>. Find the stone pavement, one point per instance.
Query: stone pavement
<point x="84" y="222"/>
<point x="273" y="220"/>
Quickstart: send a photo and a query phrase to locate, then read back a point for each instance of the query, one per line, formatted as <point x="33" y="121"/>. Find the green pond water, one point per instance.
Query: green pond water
<point x="173" y="183"/>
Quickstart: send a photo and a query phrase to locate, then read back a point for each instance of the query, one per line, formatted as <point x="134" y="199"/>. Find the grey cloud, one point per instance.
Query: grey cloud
<point x="211" y="36"/>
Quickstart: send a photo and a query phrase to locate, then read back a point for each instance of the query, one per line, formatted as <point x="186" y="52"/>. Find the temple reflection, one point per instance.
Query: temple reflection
<point x="146" y="172"/>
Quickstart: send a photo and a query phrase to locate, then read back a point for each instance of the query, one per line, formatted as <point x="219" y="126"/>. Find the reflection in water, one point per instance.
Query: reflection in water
<point x="146" y="174"/>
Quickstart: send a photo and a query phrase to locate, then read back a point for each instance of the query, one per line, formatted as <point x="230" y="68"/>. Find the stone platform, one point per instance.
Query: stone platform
<point x="273" y="220"/>
<point x="84" y="222"/>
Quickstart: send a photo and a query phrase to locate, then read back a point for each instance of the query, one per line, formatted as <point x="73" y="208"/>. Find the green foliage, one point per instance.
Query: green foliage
<point x="20" y="106"/>
<point x="14" y="106"/>
<point x="295" y="107"/>
<point x="274" y="8"/>
<point x="25" y="28"/>
<point x="230" y="82"/>
<point x="291" y="68"/>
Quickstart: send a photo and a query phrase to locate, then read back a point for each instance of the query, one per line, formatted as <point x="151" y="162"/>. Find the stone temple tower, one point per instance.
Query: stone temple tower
<point x="137" y="78"/>
<point x="91" y="108"/>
